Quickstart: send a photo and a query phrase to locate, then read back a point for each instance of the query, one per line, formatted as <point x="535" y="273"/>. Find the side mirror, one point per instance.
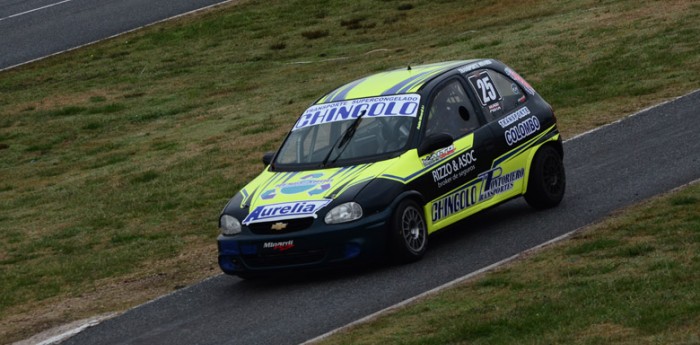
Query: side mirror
<point x="267" y="157"/>
<point x="434" y="142"/>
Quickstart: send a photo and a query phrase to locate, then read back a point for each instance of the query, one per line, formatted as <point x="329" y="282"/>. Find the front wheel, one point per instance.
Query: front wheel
<point x="409" y="234"/>
<point x="547" y="181"/>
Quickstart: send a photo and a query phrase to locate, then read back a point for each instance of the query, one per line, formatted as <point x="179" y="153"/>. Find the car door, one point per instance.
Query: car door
<point x="449" y="172"/>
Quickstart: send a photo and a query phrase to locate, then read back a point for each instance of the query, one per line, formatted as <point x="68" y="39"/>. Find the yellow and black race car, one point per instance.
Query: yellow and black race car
<point x="380" y="163"/>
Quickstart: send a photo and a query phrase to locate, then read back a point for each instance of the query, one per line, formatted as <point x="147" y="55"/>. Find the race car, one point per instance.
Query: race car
<point x="377" y="165"/>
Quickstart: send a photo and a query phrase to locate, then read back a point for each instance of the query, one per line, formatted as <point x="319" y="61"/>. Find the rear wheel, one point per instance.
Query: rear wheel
<point x="547" y="181"/>
<point x="409" y="234"/>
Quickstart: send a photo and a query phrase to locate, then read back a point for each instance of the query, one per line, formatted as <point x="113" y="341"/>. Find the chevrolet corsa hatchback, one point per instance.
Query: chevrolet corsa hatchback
<point x="379" y="164"/>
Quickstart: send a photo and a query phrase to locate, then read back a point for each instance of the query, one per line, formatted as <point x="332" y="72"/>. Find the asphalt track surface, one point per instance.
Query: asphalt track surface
<point x="616" y="166"/>
<point x="33" y="29"/>
<point x="613" y="167"/>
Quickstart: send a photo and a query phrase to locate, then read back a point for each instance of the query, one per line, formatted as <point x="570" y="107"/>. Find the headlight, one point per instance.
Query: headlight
<point x="342" y="213"/>
<point x="229" y="226"/>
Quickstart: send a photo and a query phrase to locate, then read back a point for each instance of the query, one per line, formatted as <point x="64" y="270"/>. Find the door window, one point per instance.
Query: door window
<point x="451" y="112"/>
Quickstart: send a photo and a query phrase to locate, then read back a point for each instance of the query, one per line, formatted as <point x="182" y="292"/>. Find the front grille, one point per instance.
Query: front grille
<point x="285" y="259"/>
<point x="292" y="225"/>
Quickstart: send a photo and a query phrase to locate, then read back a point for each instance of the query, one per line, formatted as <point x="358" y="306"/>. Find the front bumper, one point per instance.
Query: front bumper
<point x="320" y="245"/>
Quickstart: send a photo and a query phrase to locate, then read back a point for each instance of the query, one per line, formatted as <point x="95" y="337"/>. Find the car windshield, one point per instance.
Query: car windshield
<point x="349" y="132"/>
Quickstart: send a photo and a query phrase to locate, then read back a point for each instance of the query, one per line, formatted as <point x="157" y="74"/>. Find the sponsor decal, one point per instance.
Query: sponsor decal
<point x="471" y="67"/>
<point x="486" y="186"/>
<point x="494" y="107"/>
<point x="455" y="202"/>
<point x="514" y="117"/>
<point x="285" y="210"/>
<point x="454" y="169"/>
<point x="438" y="155"/>
<point x="399" y="105"/>
<point x="515" y="76"/>
<point x="522" y="130"/>
<point x="312" y="184"/>
<point x="495" y="182"/>
<point x="279" y="246"/>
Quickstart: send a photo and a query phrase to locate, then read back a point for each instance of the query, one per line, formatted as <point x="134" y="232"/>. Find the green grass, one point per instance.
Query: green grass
<point x="116" y="158"/>
<point x="633" y="279"/>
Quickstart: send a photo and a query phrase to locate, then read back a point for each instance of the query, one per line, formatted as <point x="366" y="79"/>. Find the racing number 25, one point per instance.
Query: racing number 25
<point x="484" y="86"/>
<point x="488" y="94"/>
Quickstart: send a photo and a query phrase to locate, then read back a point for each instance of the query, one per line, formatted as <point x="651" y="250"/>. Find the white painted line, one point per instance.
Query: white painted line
<point x="34" y="10"/>
<point x="68" y="330"/>
<point x="69" y="333"/>
<point x="631" y="115"/>
<point x="58" y="334"/>
<point x="119" y="34"/>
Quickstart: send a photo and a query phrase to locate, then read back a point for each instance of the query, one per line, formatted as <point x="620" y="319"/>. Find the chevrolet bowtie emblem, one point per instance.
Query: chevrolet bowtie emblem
<point x="279" y="226"/>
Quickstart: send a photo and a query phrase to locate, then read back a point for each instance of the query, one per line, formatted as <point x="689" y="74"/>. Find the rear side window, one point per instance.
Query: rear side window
<point x="497" y="94"/>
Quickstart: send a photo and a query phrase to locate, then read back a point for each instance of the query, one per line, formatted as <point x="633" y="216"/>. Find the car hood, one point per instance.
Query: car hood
<point x="296" y="194"/>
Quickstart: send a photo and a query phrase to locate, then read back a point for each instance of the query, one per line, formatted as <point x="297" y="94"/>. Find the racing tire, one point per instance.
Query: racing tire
<point x="547" y="180"/>
<point x="408" y="238"/>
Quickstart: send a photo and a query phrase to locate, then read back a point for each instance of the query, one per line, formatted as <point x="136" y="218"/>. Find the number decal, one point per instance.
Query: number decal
<point x="488" y="93"/>
<point x="483" y="85"/>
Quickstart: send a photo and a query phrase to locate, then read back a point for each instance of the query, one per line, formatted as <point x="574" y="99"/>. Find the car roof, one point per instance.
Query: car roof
<point x="399" y="81"/>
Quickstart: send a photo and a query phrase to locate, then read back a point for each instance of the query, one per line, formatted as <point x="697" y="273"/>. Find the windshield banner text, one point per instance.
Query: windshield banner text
<point x="399" y="105"/>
